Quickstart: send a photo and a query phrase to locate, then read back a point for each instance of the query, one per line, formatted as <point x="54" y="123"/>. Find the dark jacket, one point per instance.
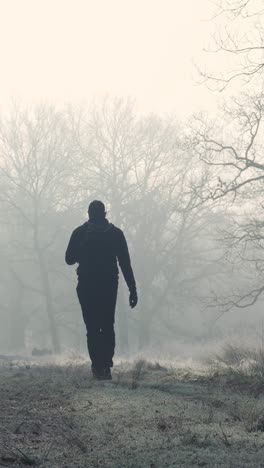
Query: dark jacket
<point x="97" y="247"/>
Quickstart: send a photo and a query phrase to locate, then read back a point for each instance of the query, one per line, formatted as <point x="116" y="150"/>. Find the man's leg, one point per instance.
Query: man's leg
<point x="107" y="323"/>
<point x="108" y="335"/>
<point x="92" y="321"/>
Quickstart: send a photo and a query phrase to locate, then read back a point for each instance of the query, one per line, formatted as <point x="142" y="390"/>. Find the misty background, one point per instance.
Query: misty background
<point x="132" y="104"/>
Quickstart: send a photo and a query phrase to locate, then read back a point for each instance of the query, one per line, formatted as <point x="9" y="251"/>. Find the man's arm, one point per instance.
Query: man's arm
<point x="126" y="268"/>
<point x="72" y="252"/>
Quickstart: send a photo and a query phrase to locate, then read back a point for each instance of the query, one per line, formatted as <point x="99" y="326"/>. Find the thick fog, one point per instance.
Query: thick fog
<point x="122" y="104"/>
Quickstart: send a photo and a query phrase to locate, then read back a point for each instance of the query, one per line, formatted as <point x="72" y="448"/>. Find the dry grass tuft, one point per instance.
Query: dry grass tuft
<point x="250" y="413"/>
<point x="241" y="367"/>
<point x="154" y="366"/>
<point x="233" y="355"/>
<point x="138" y="371"/>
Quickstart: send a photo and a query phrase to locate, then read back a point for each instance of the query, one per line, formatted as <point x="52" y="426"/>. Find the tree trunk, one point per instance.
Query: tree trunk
<point x="17" y="322"/>
<point x="144" y="329"/>
<point x="45" y="284"/>
<point x="49" y="303"/>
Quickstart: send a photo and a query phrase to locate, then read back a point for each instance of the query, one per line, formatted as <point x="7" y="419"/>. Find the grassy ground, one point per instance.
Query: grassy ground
<point x="55" y="415"/>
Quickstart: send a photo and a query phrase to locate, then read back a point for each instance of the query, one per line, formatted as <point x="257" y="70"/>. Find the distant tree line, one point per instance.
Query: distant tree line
<point x="53" y="162"/>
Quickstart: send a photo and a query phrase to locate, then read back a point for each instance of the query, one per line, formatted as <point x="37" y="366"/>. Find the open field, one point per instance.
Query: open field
<point x="53" y="414"/>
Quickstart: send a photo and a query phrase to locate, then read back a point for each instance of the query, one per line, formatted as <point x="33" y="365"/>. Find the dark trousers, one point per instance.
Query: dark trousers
<point x="98" y="302"/>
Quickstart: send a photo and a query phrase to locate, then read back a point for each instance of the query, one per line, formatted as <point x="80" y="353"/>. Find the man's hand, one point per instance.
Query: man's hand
<point x="133" y="299"/>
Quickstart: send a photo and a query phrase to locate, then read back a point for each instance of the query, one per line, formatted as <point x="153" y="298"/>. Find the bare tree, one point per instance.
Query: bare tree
<point x="52" y="164"/>
<point x="238" y="40"/>
<point x="34" y="171"/>
<point x="233" y="157"/>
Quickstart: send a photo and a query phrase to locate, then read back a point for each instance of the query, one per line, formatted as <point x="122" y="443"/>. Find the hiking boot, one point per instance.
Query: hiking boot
<point x="106" y="374"/>
<point x="97" y="373"/>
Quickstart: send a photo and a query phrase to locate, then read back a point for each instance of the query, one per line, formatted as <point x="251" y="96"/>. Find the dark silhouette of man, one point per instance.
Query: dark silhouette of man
<point x="96" y="246"/>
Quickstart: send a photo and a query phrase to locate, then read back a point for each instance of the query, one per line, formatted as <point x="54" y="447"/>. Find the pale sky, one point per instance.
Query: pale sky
<point x="74" y="50"/>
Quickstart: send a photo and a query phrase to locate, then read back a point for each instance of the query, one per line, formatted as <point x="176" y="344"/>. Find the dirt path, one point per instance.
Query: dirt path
<point x="57" y="416"/>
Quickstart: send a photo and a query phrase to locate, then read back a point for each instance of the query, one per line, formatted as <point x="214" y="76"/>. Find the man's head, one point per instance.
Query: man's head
<point x="96" y="211"/>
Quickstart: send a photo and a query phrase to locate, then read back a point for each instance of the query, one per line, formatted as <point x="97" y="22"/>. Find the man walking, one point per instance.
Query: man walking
<point x="96" y="246"/>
